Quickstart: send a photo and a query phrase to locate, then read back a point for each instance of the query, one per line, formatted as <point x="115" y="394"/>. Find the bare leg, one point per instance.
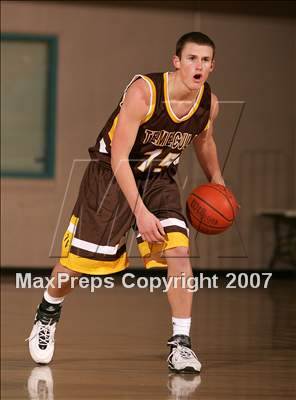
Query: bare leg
<point x="65" y="287"/>
<point x="41" y="340"/>
<point x="181" y="357"/>
<point x="180" y="299"/>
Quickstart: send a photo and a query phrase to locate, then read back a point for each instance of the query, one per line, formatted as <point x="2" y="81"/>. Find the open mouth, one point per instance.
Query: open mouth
<point x="197" y="76"/>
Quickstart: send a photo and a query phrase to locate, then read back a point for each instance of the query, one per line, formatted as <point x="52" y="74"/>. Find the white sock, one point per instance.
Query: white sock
<point x="52" y="300"/>
<point x="181" y="326"/>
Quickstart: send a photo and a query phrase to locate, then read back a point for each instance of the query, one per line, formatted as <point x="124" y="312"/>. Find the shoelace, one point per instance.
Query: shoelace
<point x="185" y="352"/>
<point x="43" y="332"/>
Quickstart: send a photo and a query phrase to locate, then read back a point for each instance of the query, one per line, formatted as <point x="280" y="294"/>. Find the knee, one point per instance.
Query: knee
<point x="178" y="252"/>
<point x="61" y="269"/>
<point x="178" y="261"/>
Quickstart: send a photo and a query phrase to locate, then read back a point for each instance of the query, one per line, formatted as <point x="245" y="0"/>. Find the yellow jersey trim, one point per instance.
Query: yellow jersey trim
<point x="112" y="130"/>
<point x="168" y="104"/>
<point x="208" y="125"/>
<point x="151" y="107"/>
<point x="152" y="98"/>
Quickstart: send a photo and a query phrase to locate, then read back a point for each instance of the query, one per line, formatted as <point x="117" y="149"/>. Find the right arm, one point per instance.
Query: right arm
<point x="133" y="111"/>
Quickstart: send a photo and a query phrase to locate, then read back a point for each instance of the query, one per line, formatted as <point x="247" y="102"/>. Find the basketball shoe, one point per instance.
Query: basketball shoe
<point x="41" y="339"/>
<point x="181" y="357"/>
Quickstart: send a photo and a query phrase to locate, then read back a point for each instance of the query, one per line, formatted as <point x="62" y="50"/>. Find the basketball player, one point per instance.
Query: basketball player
<point x="130" y="183"/>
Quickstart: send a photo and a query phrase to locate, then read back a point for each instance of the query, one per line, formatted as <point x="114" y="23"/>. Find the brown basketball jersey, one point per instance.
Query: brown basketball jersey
<point x="162" y="136"/>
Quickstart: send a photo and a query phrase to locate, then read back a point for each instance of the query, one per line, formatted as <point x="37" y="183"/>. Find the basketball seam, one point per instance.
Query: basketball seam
<point x="210" y="205"/>
<point x="220" y="191"/>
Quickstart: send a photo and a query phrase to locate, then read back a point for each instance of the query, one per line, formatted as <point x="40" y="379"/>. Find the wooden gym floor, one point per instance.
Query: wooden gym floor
<point x="112" y="345"/>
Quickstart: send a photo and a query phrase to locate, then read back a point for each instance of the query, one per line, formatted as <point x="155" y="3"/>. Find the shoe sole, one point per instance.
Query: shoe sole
<point x="187" y="370"/>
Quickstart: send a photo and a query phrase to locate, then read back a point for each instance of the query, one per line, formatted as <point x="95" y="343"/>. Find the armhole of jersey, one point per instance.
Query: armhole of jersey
<point x="152" y="89"/>
<point x="208" y="125"/>
<point x="209" y="120"/>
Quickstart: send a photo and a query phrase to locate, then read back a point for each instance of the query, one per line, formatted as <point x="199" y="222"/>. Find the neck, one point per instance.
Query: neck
<point x="178" y="91"/>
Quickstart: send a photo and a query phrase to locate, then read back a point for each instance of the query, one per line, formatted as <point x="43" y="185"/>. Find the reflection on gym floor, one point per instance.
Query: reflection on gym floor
<point x="41" y="384"/>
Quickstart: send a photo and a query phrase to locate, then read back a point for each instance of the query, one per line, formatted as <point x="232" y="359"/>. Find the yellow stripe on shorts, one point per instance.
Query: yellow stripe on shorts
<point x="94" y="267"/>
<point x="152" y="253"/>
<point x="87" y="265"/>
<point x="68" y="236"/>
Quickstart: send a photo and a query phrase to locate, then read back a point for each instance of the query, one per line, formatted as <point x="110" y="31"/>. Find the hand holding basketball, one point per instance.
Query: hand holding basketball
<point x="211" y="208"/>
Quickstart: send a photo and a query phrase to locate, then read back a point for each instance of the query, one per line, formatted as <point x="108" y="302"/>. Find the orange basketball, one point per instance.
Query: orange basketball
<point x="211" y="208"/>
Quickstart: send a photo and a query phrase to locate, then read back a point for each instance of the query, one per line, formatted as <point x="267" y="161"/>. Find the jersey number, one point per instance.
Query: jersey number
<point x="166" y="162"/>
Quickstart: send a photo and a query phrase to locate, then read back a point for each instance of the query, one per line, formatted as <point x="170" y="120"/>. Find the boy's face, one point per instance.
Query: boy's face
<point x="195" y="64"/>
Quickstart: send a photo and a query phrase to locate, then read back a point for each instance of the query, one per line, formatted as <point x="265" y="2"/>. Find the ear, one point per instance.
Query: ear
<point x="213" y="66"/>
<point x="176" y="62"/>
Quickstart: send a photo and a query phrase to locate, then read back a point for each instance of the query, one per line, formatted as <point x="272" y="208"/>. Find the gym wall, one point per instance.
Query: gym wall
<point x="100" y="48"/>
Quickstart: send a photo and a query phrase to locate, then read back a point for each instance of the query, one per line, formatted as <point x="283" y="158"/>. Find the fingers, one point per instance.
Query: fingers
<point x="158" y="237"/>
<point x="160" y="228"/>
<point x="154" y="235"/>
<point x="158" y="233"/>
<point x="151" y="229"/>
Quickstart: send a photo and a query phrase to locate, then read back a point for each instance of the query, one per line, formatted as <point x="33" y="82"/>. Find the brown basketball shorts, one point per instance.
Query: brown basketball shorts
<point x="95" y="241"/>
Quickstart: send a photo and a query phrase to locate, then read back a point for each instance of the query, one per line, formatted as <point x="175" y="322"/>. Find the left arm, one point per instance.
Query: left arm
<point x="205" y="148"/>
